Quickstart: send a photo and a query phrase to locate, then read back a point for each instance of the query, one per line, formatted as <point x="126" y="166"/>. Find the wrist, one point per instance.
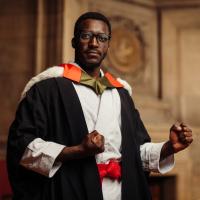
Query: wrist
<point x="71" y="153"/>
<point x="80" y="150"/>
<point x="167" y="150"/>
<point x="170" y="148"/>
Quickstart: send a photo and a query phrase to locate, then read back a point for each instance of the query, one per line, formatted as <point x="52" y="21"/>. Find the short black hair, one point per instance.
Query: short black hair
<point x="91" y="15"/>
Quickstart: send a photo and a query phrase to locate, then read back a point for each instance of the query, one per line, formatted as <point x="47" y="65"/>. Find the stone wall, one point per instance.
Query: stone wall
<point x="181" y="83"/>
<point x="17" y="53"/>
<point x="30" y="41"/>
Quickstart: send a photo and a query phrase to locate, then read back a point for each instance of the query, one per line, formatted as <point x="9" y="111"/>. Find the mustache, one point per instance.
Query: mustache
<point x="93" y="51"/>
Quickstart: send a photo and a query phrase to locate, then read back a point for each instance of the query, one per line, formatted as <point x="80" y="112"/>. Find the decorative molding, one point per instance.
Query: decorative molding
<point x="177" y="3"/>
<point x="126" y="55"/>
<point x="141" y="3"/>
<point x="152" y="4"/>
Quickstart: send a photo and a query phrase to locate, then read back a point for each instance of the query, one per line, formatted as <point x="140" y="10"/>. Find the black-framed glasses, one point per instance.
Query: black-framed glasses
<point x="100" y="37"/>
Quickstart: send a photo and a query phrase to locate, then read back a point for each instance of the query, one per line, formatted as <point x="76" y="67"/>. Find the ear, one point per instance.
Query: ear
<point x="73" y="43"/>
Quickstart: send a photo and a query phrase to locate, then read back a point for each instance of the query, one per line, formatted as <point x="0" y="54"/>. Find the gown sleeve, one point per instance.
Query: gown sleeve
<point x="150" y="156"/>
<point x="40" y="156"/>
<point x="27" y="143"/>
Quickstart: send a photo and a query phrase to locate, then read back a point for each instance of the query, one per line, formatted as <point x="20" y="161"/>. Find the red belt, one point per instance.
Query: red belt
<point x="111" y="170"/>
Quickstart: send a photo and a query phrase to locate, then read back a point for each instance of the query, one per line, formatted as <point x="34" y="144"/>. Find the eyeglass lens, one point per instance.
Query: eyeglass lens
<point x="101" y="37"/>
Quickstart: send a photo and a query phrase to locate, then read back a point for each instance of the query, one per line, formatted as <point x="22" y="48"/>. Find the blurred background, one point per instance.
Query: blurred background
<point x="155" y="46"/>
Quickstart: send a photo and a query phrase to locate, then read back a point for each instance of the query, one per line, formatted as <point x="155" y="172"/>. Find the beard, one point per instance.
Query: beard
<point x="89" y="63"/>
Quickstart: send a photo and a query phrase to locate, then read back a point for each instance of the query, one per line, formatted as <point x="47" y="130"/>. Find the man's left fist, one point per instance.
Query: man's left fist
<point x="180" y="137"/>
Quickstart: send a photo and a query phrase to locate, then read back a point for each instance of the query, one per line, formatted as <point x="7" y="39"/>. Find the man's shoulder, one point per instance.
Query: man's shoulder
<point x="52" y="83"/>
<point x="49" y="73"/>
<point x="44" y="79"/>
<point x="126" y="85"/>
<point x="48" y="83"/>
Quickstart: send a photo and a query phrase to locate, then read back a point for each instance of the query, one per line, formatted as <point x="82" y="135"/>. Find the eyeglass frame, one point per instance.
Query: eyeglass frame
<point x="92" y="35"/>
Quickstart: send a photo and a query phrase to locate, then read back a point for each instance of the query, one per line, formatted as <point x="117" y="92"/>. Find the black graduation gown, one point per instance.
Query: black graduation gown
<point x="52" y="111"/>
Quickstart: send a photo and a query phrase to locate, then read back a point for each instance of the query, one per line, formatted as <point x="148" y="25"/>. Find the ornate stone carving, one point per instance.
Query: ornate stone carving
<point x="126" y="53"/>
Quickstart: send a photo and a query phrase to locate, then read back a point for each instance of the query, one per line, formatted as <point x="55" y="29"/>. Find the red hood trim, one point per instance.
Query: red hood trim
<point x="73" y="72"/>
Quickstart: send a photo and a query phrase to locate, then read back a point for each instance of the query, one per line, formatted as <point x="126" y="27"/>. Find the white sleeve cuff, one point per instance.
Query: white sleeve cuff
<point x="166" y="165"/>
<point x="150" y="155"/>
<point x="40" y="157"/>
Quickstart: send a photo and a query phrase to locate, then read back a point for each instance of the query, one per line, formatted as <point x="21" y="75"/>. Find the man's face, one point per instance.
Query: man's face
<point x="92" y="43"/>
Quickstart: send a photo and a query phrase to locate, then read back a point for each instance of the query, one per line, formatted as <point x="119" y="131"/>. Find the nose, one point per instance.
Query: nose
<point x="93" y="42"/>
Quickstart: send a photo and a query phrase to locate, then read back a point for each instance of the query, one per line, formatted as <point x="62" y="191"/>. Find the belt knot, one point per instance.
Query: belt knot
<point x="111" y="170"/>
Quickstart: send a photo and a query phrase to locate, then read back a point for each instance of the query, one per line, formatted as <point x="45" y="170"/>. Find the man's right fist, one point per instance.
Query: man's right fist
<point x="93" y="143"/>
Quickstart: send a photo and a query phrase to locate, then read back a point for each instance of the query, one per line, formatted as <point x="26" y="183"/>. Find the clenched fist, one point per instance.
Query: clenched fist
<point x="93" y="143"/>
<point x="180" y="137"/>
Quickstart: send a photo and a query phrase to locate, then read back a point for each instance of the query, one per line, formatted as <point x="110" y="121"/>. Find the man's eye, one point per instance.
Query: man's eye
<point x="85" y="36"/>
<point x="103" y="38"/>
<point x="100" y="37"/>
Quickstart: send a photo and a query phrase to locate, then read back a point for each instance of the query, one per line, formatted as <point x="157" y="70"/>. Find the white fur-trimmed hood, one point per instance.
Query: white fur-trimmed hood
<point x="51" y="72"/>
<point x="57" y="71"/>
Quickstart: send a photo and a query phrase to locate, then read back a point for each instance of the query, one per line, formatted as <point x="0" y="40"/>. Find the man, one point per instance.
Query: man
<point x="77" y="134"/>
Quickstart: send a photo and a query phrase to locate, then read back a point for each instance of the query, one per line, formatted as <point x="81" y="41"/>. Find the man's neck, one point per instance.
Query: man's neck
<point x="93" y="72"/>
